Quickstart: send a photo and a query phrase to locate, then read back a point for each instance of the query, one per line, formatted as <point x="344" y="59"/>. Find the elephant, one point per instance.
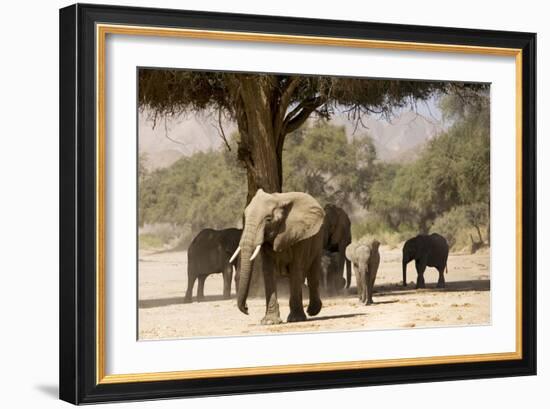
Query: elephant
<point x="329" y="271"/>
<point x="365" y="259"/>
<point x="286" y="228"/>
<point x="210" y="253"/>
<point x="427" y="251"/>
<point x="337" y="236"/>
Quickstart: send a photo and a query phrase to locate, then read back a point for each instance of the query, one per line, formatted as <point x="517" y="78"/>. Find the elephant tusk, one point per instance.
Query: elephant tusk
<point x="256" y="251"/>
<point x="235" y="254"/>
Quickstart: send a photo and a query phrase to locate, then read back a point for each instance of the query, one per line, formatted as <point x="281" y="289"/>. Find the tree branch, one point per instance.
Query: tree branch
<point x="167" y="136"/>
<point x="221" y="133"/>
<point x="299" y="119"/>
<point x="297" y="109"/>
<point x="301" y="113"/>
<point x="296" y="118"/>
<point x="284" y="101"/>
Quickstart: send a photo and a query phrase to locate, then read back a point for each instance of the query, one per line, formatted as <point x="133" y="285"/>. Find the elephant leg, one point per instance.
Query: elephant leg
<point x="441" y="281"/>
<point x="329" y="283"/>
<point x="339" y="280"/>
<point x="272" y="314"/>
<point x="420" y="268"/>
<point x="190" y="284"/>
<point x="200" y="293"/>
<point x="296" y="305"/>
<point x="370" y="287"/>
<point x="359" y="284"/>
<point x="340" y="283"/>
<point x="348" y="273"/>
<point x="315" y="303"/>
<point x="364" y="286"/>
<point x="325" y="273"/>
<point x="227" y="276"/>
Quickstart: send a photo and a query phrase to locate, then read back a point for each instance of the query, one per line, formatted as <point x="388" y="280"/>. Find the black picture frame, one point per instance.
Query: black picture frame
<point x="78" y="313"/>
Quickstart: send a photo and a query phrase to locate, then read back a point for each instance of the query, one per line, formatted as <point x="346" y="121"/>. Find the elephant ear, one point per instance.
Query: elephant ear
<point x="231" y="242"/>
<point x="367" y="250"/>
<point x="350" y="250"/>
<point x="304" y="218"/>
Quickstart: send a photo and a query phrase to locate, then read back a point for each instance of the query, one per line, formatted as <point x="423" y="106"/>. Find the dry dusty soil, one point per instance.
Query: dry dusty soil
<point x="464" y="301"/>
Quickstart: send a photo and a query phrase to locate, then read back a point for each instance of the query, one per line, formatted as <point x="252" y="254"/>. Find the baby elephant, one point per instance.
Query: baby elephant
<point x="365" y="259"/>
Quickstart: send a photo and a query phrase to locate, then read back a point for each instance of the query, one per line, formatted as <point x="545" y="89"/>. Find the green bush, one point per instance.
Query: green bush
<point x="165" y="236"/>
<point x="371" y="224"/>
<point x="150" y="241"/>
<point x="375" y="227"/>
<point x="463" y="225"/>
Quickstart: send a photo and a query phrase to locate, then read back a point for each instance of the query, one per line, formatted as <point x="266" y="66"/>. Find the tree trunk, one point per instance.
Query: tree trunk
<point x="260" y="150"/>
<point x="479" y="233"/>
<point x="259" y="145"/>
<point x="263" y="165"/>
<point x="261" y="104"/>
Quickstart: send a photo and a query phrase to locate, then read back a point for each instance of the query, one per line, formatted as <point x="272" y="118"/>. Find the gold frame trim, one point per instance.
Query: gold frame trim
<point x="101" y="32"/>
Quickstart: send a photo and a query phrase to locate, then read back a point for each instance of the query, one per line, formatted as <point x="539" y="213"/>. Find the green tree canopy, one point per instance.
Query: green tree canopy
<point x="321" y="161"/>
<point x="206" y="189"/>
<point x="453" y="169"/>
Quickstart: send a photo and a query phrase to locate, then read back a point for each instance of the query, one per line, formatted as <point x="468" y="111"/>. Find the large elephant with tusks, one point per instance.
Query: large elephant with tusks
<point x="286" y="228"/>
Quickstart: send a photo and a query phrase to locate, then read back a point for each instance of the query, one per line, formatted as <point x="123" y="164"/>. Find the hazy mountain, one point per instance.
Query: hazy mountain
<point x="164" y="143"/>
<point x="400" y="139"/>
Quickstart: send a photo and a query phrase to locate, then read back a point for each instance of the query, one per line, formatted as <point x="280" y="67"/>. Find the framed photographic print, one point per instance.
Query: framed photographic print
<point x="258" y="203"/>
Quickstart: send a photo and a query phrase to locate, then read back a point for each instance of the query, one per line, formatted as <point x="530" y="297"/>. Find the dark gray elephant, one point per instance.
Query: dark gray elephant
<point x="286" y="228"/>
<point x="209" y="253"/>
<point x="337" y="236"/>
<point x="329" y="271"/>
<point x="365" y="258"/>
<point x="427" y="251"/>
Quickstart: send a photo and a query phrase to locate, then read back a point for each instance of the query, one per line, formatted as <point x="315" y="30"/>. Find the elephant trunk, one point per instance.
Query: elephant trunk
<point x="404" y="271"/>
<point x="247" y="246"/>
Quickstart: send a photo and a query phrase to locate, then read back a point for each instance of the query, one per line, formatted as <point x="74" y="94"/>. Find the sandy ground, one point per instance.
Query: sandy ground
<point x="464" y="301"/>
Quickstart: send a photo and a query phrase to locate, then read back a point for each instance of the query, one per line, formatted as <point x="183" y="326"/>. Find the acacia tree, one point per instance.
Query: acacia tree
<point x="266" y="107"/>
